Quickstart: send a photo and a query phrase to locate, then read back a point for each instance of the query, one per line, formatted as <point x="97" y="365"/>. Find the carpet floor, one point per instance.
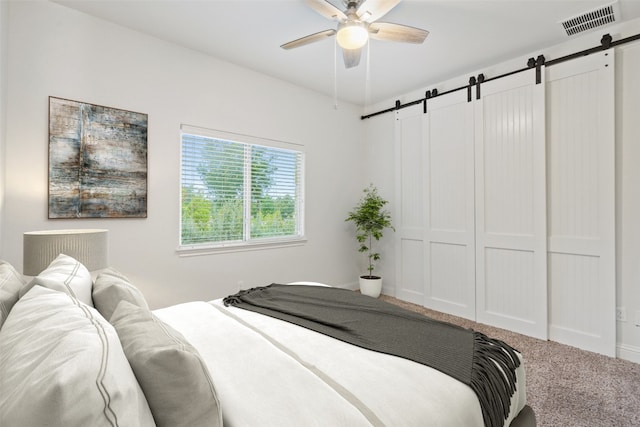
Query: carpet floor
<point x="566" y="386"/>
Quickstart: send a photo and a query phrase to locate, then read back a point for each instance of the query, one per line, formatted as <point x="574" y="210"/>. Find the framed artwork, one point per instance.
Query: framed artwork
<point x="97" y="161"/>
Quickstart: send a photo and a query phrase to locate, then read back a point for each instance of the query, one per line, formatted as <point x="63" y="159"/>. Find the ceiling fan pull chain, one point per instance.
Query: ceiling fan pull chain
<point x="335" y="75"/>
<point x="367" y="83"/>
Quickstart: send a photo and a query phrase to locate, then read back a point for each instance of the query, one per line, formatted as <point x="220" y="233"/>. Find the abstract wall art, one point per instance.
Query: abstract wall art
<point x="97" y="161"/>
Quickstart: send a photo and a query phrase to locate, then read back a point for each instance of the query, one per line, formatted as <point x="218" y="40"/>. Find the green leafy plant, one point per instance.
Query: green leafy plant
<point x="370" y="219"/>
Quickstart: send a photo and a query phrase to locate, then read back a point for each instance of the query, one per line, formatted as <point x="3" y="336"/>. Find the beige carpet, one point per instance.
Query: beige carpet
<point x="566" y="386"/>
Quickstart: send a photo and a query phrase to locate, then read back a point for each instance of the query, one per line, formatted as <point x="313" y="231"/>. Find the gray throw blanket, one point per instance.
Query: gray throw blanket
<point x="466" y="355"/>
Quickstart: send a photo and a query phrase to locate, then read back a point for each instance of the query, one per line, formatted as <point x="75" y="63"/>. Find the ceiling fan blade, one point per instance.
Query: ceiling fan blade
<point x="397" y="32"/>
<point x="372" y="10"/>
<point x="308" y="39"/>
<point x="326" y="9"/>
<point x="351" y="57"/>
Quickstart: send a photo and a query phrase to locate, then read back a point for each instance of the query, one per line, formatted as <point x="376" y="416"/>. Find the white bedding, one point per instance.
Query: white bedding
<point x="272" y="373"/>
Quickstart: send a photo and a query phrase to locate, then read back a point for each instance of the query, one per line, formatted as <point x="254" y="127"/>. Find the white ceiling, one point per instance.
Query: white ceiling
<point x="464" y="36"/>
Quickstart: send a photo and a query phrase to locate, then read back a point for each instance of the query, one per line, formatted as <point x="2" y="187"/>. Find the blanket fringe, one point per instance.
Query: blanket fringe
<point x="493" y="375"/>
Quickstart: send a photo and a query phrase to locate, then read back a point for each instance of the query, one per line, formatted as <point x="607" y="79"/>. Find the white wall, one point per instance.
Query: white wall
<point x="380" y="170"/>
<point x="4" y="25"/>
<point x="379" y="136"/>
<point x="55" y="51"/>
<point x="628" y="198"/>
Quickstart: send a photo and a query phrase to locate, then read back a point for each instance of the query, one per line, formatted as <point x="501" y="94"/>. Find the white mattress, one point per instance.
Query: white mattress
<point x="268" y="372"/>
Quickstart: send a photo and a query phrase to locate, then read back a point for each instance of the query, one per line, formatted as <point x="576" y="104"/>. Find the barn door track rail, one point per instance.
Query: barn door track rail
<point x="475" y="82"/>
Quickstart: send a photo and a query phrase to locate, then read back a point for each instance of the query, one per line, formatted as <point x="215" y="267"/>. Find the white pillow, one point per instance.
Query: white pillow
<point x="10" y="284"/>
<point x="65" y="274"/>
<point x="61" y="364"/>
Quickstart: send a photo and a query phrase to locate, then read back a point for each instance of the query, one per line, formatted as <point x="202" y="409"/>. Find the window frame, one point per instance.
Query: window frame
<point x="251" y="243"/>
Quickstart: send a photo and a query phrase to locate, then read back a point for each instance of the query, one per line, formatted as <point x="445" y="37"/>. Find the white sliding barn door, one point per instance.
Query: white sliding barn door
<point x="581" y="187"/>
<point x="511" y="235"/>
<point x="449" y="183"/>
<point x="409" y="236"/>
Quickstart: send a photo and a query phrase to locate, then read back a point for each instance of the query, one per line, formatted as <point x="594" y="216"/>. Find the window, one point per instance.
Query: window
<point x="239" y="190"/>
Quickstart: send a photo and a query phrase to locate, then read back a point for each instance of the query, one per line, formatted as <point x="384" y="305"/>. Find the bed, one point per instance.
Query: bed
<point x="79" y="351"/>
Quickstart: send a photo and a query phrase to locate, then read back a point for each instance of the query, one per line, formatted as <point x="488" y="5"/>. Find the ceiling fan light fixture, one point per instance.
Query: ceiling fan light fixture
<point x="352" y="35"/>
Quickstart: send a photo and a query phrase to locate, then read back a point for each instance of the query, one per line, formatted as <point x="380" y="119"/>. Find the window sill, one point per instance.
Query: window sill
<point x="189" y="251"/>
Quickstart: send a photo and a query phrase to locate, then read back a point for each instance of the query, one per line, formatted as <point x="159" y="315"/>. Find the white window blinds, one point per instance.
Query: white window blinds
<point x="239" y="190"/>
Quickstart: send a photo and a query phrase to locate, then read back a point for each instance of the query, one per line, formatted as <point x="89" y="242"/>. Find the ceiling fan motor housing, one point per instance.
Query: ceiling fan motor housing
<point x="352" y="4"/>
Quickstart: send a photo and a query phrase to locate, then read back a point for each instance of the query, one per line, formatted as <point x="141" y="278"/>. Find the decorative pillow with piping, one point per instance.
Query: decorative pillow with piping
<point x="110" y="288"/>
<point x="173" y="376"/>
<point x="10" y="284"/>
<point x="61" y="364"/>
<point x="65" y="274"/>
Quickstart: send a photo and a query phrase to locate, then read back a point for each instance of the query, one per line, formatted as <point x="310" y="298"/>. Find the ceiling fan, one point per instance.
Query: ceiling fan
<point x="356" y="24"/>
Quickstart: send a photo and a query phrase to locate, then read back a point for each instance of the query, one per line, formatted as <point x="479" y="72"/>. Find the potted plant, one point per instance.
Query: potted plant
<point x="370" y="219"/>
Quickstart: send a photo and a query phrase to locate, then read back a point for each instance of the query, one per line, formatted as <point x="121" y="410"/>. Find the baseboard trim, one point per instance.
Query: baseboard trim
<point x="628" y="352"/>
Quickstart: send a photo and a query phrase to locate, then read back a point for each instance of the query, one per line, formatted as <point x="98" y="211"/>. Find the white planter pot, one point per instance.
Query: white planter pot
<point x="371" y="286"/>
